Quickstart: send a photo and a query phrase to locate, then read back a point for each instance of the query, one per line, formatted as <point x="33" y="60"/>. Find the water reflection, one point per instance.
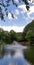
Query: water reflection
<point x="14" y="55"/>
<point x="1" y="52"/>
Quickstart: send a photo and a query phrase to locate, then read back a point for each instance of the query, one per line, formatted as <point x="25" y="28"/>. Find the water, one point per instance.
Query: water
<point x="14" y="55"/>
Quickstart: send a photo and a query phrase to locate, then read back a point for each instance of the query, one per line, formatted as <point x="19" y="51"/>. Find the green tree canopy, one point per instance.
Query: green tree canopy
<point x="12" y="35"/>
<point x="28" y="27"/>
<point x="30" y="36"/>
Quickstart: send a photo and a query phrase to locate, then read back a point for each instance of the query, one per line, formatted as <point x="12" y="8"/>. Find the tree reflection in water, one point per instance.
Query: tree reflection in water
<point x="1" y="51"/>
<point x="13" y="55"/>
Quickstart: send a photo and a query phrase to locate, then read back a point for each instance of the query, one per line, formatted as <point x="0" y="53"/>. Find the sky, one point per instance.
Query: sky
<point x="21" y="17"/>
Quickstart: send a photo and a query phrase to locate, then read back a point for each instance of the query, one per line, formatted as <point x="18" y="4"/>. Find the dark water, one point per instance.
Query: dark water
<point x="13" y="55"/>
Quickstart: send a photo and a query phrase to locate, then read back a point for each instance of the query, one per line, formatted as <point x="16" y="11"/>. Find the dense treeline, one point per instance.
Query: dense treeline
<point x="28" y="27"/>
<point x="26" y="35"/>
<point x="29" y="32"/>
<point x="9" y="37"/>
<point x="29" y="35"/>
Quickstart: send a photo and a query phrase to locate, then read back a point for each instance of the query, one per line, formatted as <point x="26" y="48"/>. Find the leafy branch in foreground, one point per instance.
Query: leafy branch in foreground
<point x="4" y="4"/>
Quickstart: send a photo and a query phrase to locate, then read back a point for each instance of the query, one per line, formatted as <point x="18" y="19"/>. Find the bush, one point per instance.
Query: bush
<point x="29" y="54"/>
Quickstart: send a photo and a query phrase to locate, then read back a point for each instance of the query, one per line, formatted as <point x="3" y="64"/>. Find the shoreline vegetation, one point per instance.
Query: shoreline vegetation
<point x="29" y="54"/>
<point x="24" y="38"/>
<point x="27" y="36"/>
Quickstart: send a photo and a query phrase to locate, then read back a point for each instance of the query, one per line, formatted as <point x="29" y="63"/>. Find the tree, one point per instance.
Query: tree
<point x="6" y="37"/>
<point x="4" y="4"/>
<point x="1" y="34"/>
<point x="30" y="36"/>
<point x="19" y="36"/>
<point x="23" y="37"/>
<point x="28" y="27"/>
<point x="12" y="35"/>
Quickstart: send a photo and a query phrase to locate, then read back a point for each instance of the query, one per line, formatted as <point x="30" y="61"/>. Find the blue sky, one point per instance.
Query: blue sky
<point x="21" y="17"/>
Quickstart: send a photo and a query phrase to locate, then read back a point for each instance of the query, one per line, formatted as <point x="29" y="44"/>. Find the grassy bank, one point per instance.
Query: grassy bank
<point x="29" y="54"/>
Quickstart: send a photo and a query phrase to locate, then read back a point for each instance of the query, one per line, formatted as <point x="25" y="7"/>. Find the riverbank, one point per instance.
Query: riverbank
<point x="29" y="54"/>
<point x="24" y="43"/>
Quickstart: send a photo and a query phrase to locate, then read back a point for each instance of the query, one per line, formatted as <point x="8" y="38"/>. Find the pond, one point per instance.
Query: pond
<point x="14" y="55"/>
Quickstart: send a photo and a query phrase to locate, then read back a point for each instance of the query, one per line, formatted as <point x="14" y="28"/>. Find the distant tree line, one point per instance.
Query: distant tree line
<point x="26" y="35"/>
<point x="9" y="37"/>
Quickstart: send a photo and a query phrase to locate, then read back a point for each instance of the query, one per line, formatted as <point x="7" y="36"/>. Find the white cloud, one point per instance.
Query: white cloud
<point x="23" y="7"/>
<point x="24" y="12"/>
<point x="28" y="13"/>
<point x="31" y="10"/>
<point x="16" y="1"/>
<point x="9" y="16"/>
<point x="15" y="17"/>
<point x="31" y="1"/>
<point x="15" y="28"/>
<point x="17" y="12"/>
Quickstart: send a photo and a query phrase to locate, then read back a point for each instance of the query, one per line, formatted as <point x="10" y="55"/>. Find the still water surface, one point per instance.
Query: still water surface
<point x="14" y="55"/>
